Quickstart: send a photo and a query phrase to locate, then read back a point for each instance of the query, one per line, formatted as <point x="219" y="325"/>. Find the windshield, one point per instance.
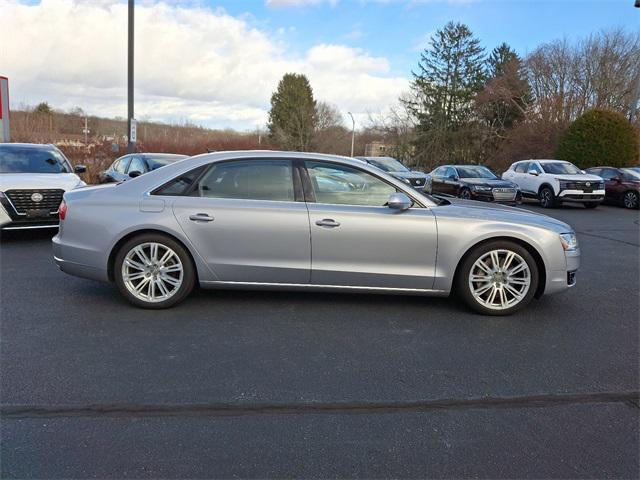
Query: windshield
<point x="162" y="160"/>
<point x="631" y="173"/>
<point x="387" y="164"/>
<point x="560" y="168"/>
<point x="32" y="160"/>
<point x="476" y="172"/>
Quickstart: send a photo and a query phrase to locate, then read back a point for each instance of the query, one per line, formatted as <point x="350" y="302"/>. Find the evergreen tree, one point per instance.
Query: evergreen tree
<point x="450" y="73"/>
<point x="292" y="117"/>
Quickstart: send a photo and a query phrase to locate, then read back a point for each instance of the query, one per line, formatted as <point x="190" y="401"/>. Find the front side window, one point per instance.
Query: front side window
<point x="32" y="160"/>
<point x="561" y="168"/>
<point x="122" y="164"/>
<point x="137" y="165"/>
<point x="249" y="180"/>
<point x="342" y="185"/>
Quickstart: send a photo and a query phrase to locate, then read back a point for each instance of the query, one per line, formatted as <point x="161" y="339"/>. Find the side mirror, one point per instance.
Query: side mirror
<point x="533" y="172"/>
<point x="80" y="169"/>
<point x="583" y="172"/>
<point x="616" y="179"/>
<point x="399" y="201"/>
<point x="135" y="173"/>
<point x="453" y="177"/>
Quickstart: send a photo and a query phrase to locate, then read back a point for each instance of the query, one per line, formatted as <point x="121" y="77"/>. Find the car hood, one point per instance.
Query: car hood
<point x="580" y="177"/>
<point x="409" y="174"/>
<point x="28" y="181"/>
<point x="489" y="182"/>
<point x="502" y="213"/>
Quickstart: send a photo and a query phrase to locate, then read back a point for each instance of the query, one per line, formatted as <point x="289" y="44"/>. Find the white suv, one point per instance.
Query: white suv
<point x="33" y="179"/>
<point x="554" y="182"/>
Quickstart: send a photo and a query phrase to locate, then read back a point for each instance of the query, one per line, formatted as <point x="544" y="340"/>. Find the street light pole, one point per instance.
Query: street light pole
<point x="131" y="146"/>
<point x="353" y="132"/>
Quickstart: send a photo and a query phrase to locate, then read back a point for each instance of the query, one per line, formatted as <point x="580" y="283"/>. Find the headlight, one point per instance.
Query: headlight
<point x="569" y="241"/>
<point x="481" y="188"/>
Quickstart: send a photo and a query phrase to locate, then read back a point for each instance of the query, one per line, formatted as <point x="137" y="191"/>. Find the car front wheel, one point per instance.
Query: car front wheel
<point x="465" y="193"/>
<point x="498" y="278"/>
<point x="631" y="199"/>
<point x="154" y="271"/>
<point x="547" y="198"/>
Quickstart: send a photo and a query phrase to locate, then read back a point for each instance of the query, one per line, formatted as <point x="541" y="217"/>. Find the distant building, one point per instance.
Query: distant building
<point x="377" y="149"/>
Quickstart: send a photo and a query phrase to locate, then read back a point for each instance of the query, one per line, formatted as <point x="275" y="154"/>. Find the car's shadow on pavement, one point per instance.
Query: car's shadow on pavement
<point x="36" y="234"/>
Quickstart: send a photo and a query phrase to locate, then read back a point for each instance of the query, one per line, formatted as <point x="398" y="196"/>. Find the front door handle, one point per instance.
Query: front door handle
<point x="328" y="222"/>
<point x="200" y="217"/>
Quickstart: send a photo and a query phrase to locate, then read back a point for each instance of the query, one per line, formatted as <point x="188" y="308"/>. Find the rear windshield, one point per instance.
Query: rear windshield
<point x="162" y="160"/>
<point x="32" y="160"/>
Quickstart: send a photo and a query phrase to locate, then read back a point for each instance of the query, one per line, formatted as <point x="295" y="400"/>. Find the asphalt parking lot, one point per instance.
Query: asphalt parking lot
<point x="264" y="384"/>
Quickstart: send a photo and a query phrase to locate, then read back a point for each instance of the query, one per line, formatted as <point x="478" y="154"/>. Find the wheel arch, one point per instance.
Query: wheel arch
<point x="542" y="272"/>
<point x="125" y="238"/>
<point x="546" y="184"/>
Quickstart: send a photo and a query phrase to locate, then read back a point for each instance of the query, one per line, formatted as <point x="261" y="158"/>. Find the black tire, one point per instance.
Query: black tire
<point x="463" y="288"/>
<point x="547" y="198"/>
<point x="631" y="199"/>
<point x="188" y="270"/>
<point x="465" y="194"/>
<point x="590" y="205"/>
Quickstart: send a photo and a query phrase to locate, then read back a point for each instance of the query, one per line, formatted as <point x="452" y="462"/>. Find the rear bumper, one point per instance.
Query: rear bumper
<point x="63" y="253"/>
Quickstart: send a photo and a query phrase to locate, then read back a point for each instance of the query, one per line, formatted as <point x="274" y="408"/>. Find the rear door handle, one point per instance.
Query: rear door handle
<point x="201" y="217"/>
<point x="328" y="222"/>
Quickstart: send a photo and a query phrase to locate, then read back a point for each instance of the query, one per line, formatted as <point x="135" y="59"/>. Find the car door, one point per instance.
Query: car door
<point x="357" y="241"/>
<point x="437" y="182"/>
<point x="451" y="182"/>
<point x="245" y="221"/>
<point x="612" y="184"/>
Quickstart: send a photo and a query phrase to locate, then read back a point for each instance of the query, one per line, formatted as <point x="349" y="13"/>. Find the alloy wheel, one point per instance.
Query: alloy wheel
<point x="465" y="194"/>
<point x="499" y="279"/>
<point x="631" y="200"/>
<point x="546" y="198"/>
<point x="152" y="272"/>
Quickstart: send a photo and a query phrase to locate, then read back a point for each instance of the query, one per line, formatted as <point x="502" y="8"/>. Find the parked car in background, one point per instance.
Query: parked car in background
<point x="474" y="182"/>
<point x="418" y="180"/>
<point x="554" y="182"/>
<point x="33" y="179"/>
<point x="622" y="185"/>
<point x="136" y="164"/>
<point x="249" y="219"/>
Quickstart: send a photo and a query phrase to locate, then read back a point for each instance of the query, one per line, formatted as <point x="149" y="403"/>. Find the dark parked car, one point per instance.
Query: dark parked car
<point x="418" y="180"/>
<point x="136" y="164"/>
<point x="474" y="182"/>
<point x="622" y="185"/>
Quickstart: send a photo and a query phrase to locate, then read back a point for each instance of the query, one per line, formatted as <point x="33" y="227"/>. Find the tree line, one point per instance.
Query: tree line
<point x="469" y="105"/>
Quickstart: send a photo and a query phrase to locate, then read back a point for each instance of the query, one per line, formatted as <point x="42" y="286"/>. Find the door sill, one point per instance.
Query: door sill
<point x="309" y="286"/>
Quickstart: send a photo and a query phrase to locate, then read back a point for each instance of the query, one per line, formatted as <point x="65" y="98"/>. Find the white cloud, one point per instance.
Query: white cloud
<point x="192" y="62"/>
<point x="298" y="3"/>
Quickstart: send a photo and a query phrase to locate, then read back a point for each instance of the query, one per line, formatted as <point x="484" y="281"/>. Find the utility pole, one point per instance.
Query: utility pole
<point x="86" y="131"/>
<point x="353" y="132"/>
<point x="131" y="136"/>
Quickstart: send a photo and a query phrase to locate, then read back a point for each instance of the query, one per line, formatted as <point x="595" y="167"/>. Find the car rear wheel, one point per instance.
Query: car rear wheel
<point x="498" y="278"/>
<point x="547" y="197"/>
<point x="631" y="199"/>
<point x="154" y="271"/>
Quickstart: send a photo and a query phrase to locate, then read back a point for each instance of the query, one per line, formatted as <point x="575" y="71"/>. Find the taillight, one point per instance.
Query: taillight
<point x="62" y="211"/>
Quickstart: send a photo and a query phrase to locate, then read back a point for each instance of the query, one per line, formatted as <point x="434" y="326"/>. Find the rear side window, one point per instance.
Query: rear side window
<point x="248" y="180"/>
<point x="180" y="185"/>
<point x="521" y="167"/>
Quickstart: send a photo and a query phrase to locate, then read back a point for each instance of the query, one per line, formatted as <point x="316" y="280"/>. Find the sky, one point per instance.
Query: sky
<point x="216" y="63"/>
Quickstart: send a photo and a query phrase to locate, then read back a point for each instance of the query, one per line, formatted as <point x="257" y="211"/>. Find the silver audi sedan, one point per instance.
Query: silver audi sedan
<point x="289" y="220"/>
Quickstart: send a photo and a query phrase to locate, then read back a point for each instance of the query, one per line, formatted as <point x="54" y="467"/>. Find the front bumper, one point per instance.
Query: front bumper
<point x="488" y="196"/>
<point x="560" y="280"/>
<point x="595" y="196"/>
